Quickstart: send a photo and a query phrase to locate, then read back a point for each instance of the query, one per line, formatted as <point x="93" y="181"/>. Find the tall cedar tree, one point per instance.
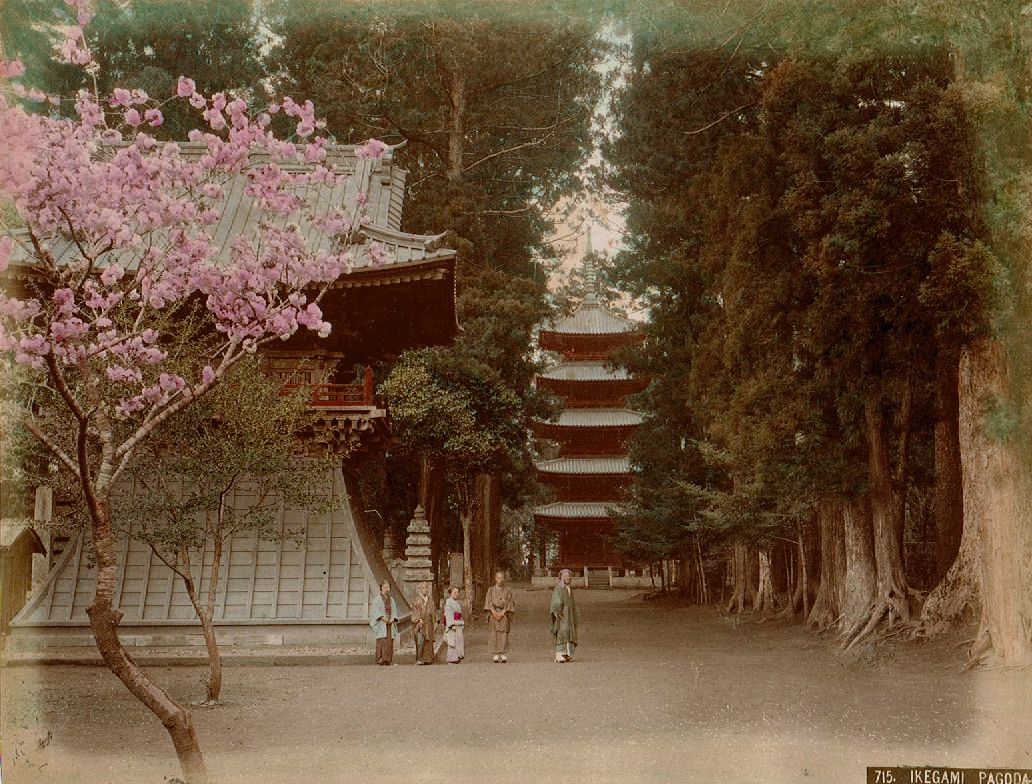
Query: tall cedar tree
<point x="809" y="223"/>
<point x="495" y="110"/>
<point x="147" y="44"/>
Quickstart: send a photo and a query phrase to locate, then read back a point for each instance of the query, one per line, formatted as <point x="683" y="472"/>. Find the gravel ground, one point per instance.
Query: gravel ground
<point x="659" y="692"/>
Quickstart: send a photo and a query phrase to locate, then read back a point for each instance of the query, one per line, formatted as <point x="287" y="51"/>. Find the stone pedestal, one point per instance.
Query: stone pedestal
<point x="418" y="566"/>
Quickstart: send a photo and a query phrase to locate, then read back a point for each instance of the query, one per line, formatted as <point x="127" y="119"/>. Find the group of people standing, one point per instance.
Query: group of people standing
<point x="499" y="608"/>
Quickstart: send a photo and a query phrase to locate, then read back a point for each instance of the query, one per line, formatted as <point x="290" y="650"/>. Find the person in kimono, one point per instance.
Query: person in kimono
<point x="453" y="625"/>
<point x="424" y="620"/>
<point x="499" y="608"/>
<point x="384" y="619"/>
<point x="563" y="615"/>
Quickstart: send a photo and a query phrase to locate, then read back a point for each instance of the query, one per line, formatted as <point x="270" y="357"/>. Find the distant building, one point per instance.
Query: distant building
<point x="586" y="462"/>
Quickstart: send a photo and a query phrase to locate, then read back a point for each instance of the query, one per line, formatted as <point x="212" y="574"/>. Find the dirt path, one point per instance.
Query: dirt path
<point x="657" y="694"/>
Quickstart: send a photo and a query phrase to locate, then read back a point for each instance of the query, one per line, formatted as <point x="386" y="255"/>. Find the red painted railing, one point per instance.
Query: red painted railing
<point x="339" y="395"/>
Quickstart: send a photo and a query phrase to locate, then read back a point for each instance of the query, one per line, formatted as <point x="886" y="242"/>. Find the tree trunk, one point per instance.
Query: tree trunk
<point x="742" y="589"/>
<point x="703" y="587"/>
<point x="798" y="579"/>
<point x="891" y="600"/>
<point x="948" y="489"/>
<point x="992" y="506"/>
<point x="431" y="494"/>
<point x="466" y="517"/>
<point x="104" y="616"/>
<point x="804" y="569"/>
<point x="827" y="603"/>
<point x="214" y="658"/>
<point x="901" y="476"/>
<point x="485" y="532"/>
<point x="456" y="126"/>
<point x="860" y="568"/>
<point x="763" y="601"/>
<point x="104" y="620"/>
<point x="957" y="599"/>
<point x="205" y="616"/>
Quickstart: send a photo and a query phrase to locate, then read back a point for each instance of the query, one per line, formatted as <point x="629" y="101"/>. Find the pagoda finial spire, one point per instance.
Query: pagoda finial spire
<point x="590" y="273"/>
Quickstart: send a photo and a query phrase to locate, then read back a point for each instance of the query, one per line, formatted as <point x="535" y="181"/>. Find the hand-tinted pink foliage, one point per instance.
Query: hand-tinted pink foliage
<point x="137" y="215"/>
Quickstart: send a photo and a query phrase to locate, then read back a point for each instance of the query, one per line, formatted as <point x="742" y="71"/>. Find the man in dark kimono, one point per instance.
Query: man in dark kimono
<point x="424" y="619"/>
<point x="499" y="607"/>
<point x="563" y="615"/>
<point x="384" y="619"/>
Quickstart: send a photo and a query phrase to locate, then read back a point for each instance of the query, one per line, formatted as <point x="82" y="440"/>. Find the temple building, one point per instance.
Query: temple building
<point x="585" y="452"/>
<point x="315" y="588"/>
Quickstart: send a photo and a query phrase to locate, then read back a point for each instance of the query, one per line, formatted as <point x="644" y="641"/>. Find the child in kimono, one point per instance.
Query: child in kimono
<point x="453" y="625"/>
<point x="424" y="620"/>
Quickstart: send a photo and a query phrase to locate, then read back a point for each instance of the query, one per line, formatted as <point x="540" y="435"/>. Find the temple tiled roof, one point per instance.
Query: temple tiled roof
<point x="590" y="318"/>
<point x="585" y="371"/>
<point x="575" y="509"/>
<point x="147" y="591"/>
<point x="585" y="465"/>
<point x="400" y="247"/>
<point x="382" y="182"/>
<point x="597" y="417"/>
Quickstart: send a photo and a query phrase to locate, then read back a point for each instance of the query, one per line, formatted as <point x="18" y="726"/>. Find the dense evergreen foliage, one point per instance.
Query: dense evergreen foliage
<point x="818" y="229"/>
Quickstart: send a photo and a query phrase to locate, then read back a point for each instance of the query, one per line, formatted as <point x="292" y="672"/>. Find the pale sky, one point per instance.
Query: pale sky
<point x="589" y="211"/>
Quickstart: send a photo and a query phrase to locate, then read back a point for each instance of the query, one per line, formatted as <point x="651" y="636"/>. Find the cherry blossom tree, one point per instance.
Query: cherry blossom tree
<point x="110" y="240"/>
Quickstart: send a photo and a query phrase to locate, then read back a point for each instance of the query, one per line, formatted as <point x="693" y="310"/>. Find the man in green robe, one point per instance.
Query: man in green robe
<point x="563" y="614"/>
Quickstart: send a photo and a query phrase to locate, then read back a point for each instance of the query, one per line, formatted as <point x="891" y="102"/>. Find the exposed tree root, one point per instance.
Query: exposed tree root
<point x="891" y="606"/>
<point x="831" y="626"/>
<point x="982" y="647"/>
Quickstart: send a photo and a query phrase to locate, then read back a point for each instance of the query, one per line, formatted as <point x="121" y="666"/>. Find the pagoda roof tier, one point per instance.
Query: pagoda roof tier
<point x="597" y="417"/>
<point x="572" y="510"/>
<point x="585" y="465"/>
<point x="586" y="371"/>
<point x="591" y="318"/>
<point x="579" y="347"/>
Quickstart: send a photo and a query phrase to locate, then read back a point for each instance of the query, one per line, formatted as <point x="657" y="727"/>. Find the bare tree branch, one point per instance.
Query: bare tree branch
<point x="719" y="120"/>
<point x="57" y="451"/>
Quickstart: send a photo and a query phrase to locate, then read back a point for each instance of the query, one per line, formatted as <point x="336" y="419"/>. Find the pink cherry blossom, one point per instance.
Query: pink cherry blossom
<point x="374" y="148"/>
<point x="215" y="119"/>
<point x="121" y="97"/>
<point x="111" y="274"/>
<point x="140" y="213"/>
<point x="11" y="69"/>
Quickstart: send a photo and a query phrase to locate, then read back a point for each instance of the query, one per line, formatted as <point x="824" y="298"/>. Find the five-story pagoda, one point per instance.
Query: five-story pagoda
<point x="588" y="470"/>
